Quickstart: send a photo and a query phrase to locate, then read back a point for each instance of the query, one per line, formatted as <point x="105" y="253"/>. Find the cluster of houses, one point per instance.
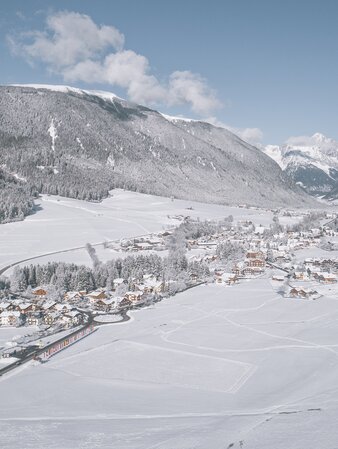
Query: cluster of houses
<point x="41" y="310"/>
<point x="38" y="311"/>
<point x="253" y="266"/>
<point x="152" y="242"/>
<point x="261" y="252"/>
<point x="273" y="251"/>
<point x="323" y="270"/>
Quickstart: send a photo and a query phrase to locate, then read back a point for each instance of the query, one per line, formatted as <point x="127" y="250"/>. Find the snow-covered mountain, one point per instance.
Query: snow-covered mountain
<point x="80" y="143"/>
<point x="312" y="162"/>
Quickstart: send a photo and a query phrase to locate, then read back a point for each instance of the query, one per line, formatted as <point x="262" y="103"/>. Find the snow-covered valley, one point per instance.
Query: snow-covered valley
<point x="213" y="367"/>
<point x="63" y="223"/>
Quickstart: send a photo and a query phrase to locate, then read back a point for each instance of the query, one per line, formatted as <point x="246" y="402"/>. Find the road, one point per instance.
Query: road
<point x="76" y="248"/>
<point x="13" y="264"/>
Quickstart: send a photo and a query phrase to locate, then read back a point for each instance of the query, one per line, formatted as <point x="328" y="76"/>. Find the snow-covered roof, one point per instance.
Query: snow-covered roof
<point x="7" y="313"/>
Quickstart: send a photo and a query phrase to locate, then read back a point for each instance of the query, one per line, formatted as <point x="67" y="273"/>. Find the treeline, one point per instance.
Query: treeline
<point x="16" y="198"/>
<point x="71" y="277"/>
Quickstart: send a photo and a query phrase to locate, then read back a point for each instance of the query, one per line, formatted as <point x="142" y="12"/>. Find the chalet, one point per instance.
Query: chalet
<point x="50" y="318"/>
<point x="94" y="296"/>
<point x="63" y="308"/>
<point x="256" y="263"/>
<point x="255" y="255"/>
<point x="125" y="303"/>
<point x="134" y="297"/>
<point x="26" y="308"/>
<point x="40" y="292"/>
<point x="34" y="319"/>
<point x="49" y="306"/>
<point x="105" y="304"/>
<point x="10" y="318"/>
<point x="74" y="296"/>
<point x="73" y="317"/>
<point x="153" y="286"/>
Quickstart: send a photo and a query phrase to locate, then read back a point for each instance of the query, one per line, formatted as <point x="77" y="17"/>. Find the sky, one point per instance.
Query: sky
<point x="267" y="69"/>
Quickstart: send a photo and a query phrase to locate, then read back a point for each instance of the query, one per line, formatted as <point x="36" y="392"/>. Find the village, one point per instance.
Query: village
<point x="255" y="251"/>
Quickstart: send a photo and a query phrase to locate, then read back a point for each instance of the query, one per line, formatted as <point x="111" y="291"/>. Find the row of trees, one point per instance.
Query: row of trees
<point x="69" y="277"/>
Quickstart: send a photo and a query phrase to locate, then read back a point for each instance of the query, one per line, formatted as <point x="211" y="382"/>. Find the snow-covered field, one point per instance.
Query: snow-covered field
<point x="63" y="223"/>
<point x="210" y="367"/>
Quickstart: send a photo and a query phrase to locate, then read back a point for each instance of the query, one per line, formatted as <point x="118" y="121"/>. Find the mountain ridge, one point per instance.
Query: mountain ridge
<point x="81" y="144"/>
<point x="312" y="162"/>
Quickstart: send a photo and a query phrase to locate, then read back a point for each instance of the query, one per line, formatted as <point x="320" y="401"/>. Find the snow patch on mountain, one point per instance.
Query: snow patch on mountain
<point x="53" y="134"/>
<point x="174" y="119"/>
<point x="108" y="96"/>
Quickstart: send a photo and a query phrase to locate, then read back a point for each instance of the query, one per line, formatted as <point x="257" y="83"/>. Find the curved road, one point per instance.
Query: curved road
<point x="7" y="267"/>
<point x="76" y="248"/>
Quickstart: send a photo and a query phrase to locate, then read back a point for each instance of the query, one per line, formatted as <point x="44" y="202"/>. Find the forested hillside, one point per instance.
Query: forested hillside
<point x="82" y="144"/>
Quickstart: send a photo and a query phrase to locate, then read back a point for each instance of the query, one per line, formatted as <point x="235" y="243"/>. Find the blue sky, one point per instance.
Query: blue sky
<point x="267" y="65"/>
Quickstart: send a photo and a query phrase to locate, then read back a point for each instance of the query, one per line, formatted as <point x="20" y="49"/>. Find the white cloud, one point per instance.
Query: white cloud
<point x="76" y="48"/>
<point x="188" y="87"/>
<point x="315" y="140"/>
<point x="254" y="136"/>
<point x="69" y="38"/>
<point x="125" y="69"/>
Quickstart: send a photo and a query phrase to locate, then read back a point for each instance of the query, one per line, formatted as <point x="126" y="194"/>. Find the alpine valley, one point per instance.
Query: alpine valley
<point x="81" y="144"/>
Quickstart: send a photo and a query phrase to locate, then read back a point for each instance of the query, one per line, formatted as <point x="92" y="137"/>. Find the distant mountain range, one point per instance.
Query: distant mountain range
<point x="79" y="143"/>
<point x="312" y="162"/>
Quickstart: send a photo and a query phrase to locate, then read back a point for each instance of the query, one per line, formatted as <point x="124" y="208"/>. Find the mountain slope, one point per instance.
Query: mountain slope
<point x="311" y="162"/>
<point x="81" y="144"/>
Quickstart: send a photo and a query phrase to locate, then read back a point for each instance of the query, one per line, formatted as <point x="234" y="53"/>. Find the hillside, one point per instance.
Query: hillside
<point x="312" y="163"/>
<point x="81" y="144"/>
